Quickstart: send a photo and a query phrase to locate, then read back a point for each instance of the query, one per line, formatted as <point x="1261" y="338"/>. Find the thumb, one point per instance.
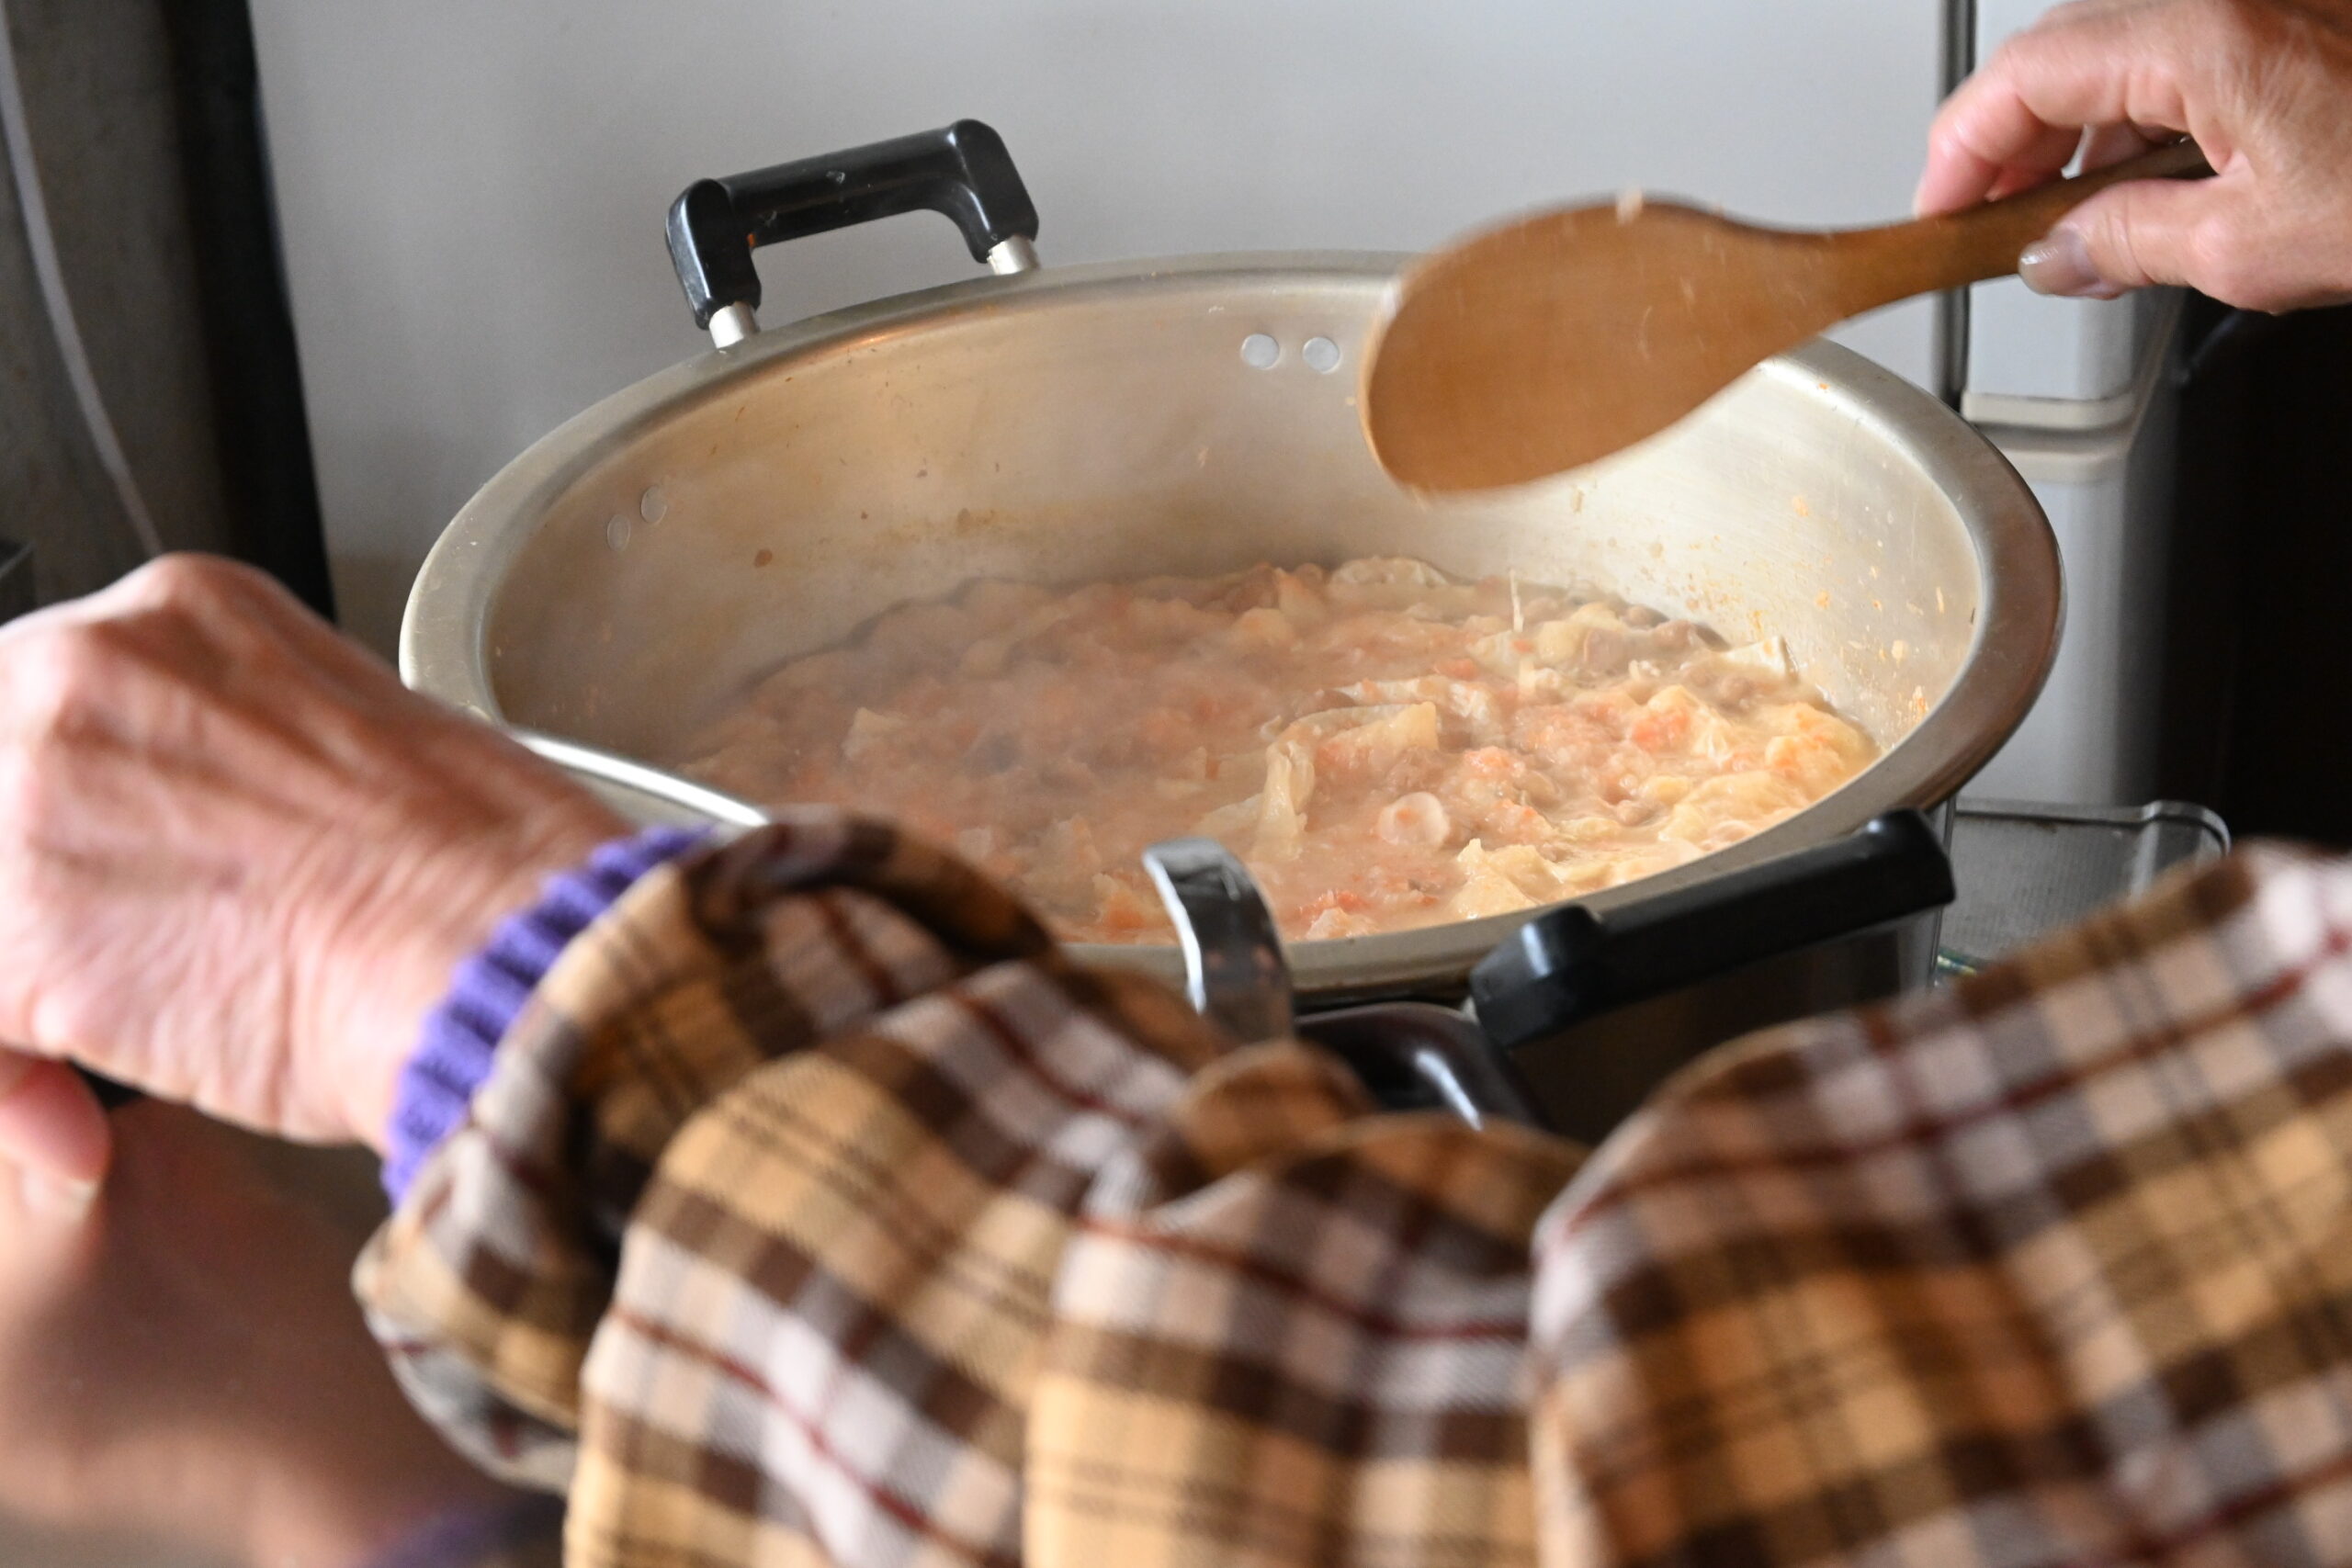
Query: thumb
<point x="2129" y="236"/>
<point x="50" y="1124"/>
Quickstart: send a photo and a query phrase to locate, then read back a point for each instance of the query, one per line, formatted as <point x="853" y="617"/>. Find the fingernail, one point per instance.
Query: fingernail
<point x="57" y="1195"/>
<point x="2060" y="262"/>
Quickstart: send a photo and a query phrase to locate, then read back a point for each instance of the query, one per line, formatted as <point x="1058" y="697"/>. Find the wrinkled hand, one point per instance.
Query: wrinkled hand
<point x="181" y="1359"/>
<point x="239" y="859"/>
<point x="2264" y="86"/>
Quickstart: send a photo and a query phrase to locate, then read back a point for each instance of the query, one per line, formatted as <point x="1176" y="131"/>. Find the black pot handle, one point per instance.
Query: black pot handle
<point x="962" y="171"/>
<point x="1420" y="1056"/>
<point x="1562" y="968"/>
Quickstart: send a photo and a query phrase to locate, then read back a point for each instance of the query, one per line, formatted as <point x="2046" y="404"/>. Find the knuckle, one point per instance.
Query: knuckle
<point x="189" y="582"/>
<point x="2233" y="26"/>
<point x="2110" y="241"/>
<point x="181" y="616"/>
<point x="2012" y="51"/>
<point x="77" y="684"/>
<point x="53" y="681"/>
<point x="2207" y="254"/>
<point x="35" y="807"/>
<point x="2054" y="19"/>
<point x="2126" y="259"/>
<point x="206" y="594"/>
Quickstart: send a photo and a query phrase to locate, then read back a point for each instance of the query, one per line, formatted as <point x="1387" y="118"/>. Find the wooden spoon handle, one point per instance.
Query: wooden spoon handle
<point x="1979" y="242"/>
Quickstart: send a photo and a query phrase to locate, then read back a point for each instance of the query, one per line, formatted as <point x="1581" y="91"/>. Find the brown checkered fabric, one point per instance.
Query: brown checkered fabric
<point x="817" y="1210"/>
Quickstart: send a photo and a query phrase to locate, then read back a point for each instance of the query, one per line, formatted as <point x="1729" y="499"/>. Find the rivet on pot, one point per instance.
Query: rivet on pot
<point x="653" y="505"/>
<point x="616" y="531"/>
<point x="1322" y="356"/>
<point x="1260" y="352"/>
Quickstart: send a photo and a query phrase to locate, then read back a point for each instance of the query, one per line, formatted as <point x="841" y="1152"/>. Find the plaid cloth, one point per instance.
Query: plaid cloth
<point x="818" y="1211"/>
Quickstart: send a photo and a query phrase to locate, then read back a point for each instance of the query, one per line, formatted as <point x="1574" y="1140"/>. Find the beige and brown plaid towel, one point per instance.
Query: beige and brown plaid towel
<point x="819" y="1212"/>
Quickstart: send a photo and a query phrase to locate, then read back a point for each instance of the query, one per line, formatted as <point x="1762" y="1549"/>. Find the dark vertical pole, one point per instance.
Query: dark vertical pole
<point x="1951" y="370"/>
<point x="248" y="327"/>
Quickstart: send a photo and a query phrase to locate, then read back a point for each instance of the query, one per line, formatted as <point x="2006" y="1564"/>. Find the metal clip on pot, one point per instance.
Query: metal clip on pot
<point x="1554" y="987"/>
<point x="1412" y="1055"/>
<point x="962" y="171"/>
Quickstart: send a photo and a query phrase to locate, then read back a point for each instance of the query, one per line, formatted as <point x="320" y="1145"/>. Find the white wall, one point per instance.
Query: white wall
<point x="472" y="190"/>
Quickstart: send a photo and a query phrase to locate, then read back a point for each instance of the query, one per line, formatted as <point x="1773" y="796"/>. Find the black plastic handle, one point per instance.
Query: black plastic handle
<point x="1419" y="1057"/>
<point x="1564" y="968"/>
<point x="963" y="171"/>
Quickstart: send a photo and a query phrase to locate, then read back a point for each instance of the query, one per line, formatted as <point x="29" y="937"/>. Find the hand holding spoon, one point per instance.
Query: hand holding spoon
<point x="1556" y="340"/>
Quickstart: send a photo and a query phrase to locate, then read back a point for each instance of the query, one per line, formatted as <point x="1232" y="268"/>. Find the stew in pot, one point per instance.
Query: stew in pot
<point x="1384" y="745"/>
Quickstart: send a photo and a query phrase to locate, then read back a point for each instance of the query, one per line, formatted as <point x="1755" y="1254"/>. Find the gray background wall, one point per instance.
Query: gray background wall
<point x="471" y="194"/>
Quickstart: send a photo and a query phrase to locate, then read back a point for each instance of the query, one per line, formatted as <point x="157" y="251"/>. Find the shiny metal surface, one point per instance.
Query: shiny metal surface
<point x="1421" y="1056"/>
<point x="1234" y="972"/>
<point x="1102" y="421"/>
<point x="1013" y="254"/>
<point x="1412" y="1055"/>
<point x="730" y="324"/>
<point x="639" y="791"/>
<point x="2034" y="867"/>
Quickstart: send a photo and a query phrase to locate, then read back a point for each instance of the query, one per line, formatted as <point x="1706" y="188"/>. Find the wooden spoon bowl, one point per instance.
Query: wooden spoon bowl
<point x="1557" y="339"/>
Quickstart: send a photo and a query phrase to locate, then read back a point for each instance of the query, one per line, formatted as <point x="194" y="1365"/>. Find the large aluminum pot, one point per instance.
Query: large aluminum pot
<point x="633" y="571"/>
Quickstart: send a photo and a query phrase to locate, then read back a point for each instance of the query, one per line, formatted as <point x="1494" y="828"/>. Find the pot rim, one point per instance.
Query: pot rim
<point x="444" y="642"/>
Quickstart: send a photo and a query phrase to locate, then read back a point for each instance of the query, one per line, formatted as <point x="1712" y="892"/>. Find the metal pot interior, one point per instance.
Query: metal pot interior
<point x="634" y="571"/>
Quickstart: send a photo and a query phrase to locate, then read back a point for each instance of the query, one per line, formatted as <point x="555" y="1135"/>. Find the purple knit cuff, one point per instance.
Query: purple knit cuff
<point x="453" y="1048"/>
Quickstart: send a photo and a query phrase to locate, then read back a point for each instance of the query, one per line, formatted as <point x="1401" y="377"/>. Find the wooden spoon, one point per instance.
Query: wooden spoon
<point x="1541" y="347"/>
